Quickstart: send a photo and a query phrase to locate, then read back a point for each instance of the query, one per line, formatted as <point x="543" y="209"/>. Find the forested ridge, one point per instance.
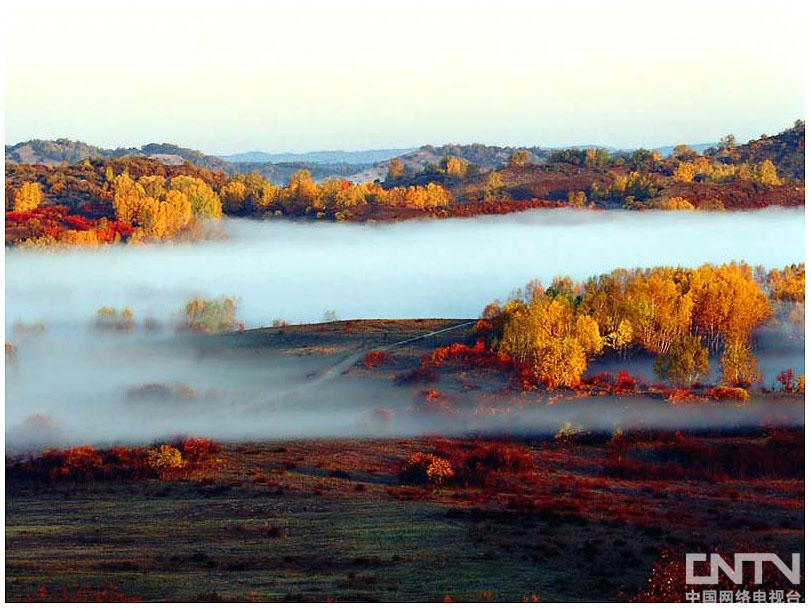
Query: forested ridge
<point x="165" y="192"/>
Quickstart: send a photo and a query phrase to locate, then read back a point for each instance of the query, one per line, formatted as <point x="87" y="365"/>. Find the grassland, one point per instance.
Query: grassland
<point x="320" y="519"/>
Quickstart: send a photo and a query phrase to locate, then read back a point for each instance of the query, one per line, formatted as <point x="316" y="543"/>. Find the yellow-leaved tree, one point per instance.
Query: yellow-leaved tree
<point x="28" y="197"/>
<point x="551" y="338"/>
<point x="205" y="204"/>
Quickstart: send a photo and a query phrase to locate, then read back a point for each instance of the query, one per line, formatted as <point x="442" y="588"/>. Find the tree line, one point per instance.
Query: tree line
<point x="679" y="315"/>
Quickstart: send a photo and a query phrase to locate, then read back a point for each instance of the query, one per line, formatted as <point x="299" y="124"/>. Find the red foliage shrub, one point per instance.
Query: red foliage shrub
<point x="53" y="220"/>
<point x="108" y="594"/>
<point x="486" y="460"/>
<point x="196" y="450"/>
<point x="722" y="393"/>
<point x="86" y="463"/>
<point x="625" y="381"/>
<point x="478" y="464"/>
<point x="477" y="356"/>
<point x="376" y="359"/>
<point x="425" y="469"/>
<point x="622" y="383"/>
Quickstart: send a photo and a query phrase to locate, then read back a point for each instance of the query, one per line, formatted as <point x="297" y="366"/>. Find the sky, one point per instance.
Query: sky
<point x="234" y="76"/>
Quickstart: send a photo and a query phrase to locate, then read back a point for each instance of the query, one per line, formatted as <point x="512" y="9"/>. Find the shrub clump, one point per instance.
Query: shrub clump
<point x="426" y="468"/>
<point x="109" y="319"/>
<point x="210" y="316"/>
<point x="87" y="463"/>
<point x="479" y="464"/>
<point x="376" y="359"/>
<point x="164" y="458"/>
<point x="723" y="393"/>
<point x="108" y="594"/>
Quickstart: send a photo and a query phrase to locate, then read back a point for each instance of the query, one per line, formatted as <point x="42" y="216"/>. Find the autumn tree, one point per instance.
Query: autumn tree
<point x="211" y="315"/>
<point x="577" y="198"/>
<point x="683" y="152"/>
<point x="686" y="362"/>
<point x="738" y="364"/>
<point x="302" y="191"/>
<point x="551" y="339"/>
<point x="684" y="172"/>
<point x="766" y="174"/>
<point x="658" y="308"/>
<point x="159" y="213"/>
<point x="233" y="196"/>
<point x="396" y="170"/>
<point x="28" y="197"/>
<point x="154" y="186"/>
<point x="418" y="197"/>
<point x="205" y="204"/>
<point x="788" y="284"/>
<point x="597" y="157"/>
<point x="127" y="196"/>
<point x="456" y="167"/>
<point x="729" y="303"/>
<point x="493" y="186"/>
<point x="643" y="158"/>
<point x="519" y="158"/>
<point x="727" y="143"/>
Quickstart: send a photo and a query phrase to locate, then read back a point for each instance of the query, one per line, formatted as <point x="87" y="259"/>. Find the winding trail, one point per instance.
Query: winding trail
<point x="269" y="403"/>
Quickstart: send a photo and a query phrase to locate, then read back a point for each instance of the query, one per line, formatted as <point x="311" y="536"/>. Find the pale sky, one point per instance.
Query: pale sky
<point x="234" y="75"/>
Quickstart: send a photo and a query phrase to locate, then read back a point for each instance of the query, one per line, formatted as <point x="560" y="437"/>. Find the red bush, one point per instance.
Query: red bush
<point x="376" y="359"/>
<point x="623" y="383"/>
<point x="479" y="464"/>
<point x="196" y="450"/>
<point x="477" y="356"/>
<point x="54" y="220"/>
<point x="108" y="594"/>
<point x="86" y="463"/>
<point x="722" y="393"/>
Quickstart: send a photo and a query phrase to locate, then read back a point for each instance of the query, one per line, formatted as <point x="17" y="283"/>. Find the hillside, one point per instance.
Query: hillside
<point x="56" y="152"/>
<point x="786" y="150"/>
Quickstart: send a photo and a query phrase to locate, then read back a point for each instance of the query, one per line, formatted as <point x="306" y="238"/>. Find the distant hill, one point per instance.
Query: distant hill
<point x="492" y="157"/>
<point x="56" y="152"/>
<point x="279" y="173"/>
<point x="486" y="157"/>
<point x="358" y="157"/>
<point x="786" y="150"/>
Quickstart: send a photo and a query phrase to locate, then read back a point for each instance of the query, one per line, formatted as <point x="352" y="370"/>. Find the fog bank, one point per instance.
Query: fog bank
<point x="84" y="386"/>
<point x="435" y="268"/>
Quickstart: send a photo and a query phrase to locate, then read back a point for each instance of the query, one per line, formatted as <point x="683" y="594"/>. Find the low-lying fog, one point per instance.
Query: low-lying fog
<point x="96" y="390"/>
<point x="439" y="268"/>
<point x="85" y="385"/>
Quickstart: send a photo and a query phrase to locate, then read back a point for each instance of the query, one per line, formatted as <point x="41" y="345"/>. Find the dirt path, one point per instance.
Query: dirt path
<point x="273" y="401"/>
